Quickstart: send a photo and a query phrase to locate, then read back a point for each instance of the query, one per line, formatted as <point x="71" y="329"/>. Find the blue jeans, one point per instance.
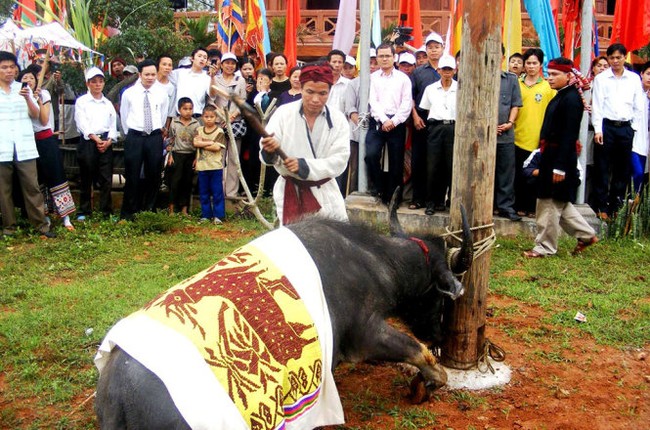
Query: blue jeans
<point x="211" y="196"/>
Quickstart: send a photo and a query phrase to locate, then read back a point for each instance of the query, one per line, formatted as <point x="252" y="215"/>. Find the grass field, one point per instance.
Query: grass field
<point x="59" y="297"/>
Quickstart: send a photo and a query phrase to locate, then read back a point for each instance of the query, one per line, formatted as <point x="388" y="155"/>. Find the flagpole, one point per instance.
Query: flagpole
<point x="586" y="45"/>
<point x="364" y="88"/>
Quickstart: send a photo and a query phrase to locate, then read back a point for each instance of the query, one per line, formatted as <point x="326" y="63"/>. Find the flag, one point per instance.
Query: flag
<point x="541" y="16"/>
<point x="255" y="28"/>
<point x="411" y="9"/>
<point x="455" y="28"/>
<point x="291" y="33"/>
<point x="511" y="28"/>
<point x="375" y="34"/>
<point x="230" y="26"/>
<point x="631" y="25"/>
<point x="54" y="10"/>
<point x="25" y="13"/>
<point x="346" y="25"/>
<point x="265" y="25"/>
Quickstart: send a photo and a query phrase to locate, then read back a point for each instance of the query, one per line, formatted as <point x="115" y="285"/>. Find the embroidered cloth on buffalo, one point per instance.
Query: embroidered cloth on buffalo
<point x="245" y="344"/>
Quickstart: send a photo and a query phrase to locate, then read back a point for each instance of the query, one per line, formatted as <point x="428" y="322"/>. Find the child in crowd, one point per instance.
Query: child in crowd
<point x="182" y="153"/>
<point x="210" y="139"/>
<point x="516" y="64"/>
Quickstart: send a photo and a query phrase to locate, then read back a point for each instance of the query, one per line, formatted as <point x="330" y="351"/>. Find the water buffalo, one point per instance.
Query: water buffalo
<point x="366" y="278"/>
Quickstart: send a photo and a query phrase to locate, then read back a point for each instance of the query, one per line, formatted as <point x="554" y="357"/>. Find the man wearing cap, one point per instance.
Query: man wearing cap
<point x="406" y="63"/>
<point x="143" y="112"/>
<point x="390" y="106"/>
<point x="352" y="107"/>
<point x="350" y="67"/>
<point x="557" y="174"/>
<point x="422" y="77"/>
<point x="96" y="120"/>
<point x="421" y="56"/>
<point x="195" y="83"/>
<point x="228" y="82"/>
<point x="316" y="140"/>
<point x="336" y="100"/>
<point x="18" y="152"/>
<point x="439" y="99"/>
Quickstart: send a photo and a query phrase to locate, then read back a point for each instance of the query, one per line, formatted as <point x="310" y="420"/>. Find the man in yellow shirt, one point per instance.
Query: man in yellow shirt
<point x="536" y="93"/>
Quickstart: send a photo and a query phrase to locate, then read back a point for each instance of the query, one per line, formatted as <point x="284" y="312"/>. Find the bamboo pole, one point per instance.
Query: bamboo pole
<point x="586" y="45"/>
<point x="473" y="178"/>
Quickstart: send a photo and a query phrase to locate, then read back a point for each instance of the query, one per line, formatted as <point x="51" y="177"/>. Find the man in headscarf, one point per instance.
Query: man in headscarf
<point x="316" y="141"/>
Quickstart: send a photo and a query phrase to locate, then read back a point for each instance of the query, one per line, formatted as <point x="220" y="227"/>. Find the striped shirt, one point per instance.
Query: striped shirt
<point x="17" y="134"/>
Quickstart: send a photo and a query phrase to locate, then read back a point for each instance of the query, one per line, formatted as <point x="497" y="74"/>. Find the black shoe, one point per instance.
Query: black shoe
<point x="48" y="235"/>
<point x="430" y="210"/>
<point x="512" y="216"/>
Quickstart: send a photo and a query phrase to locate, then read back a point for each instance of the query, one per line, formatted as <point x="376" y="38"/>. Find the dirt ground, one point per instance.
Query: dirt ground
<point x="558" y="382"/>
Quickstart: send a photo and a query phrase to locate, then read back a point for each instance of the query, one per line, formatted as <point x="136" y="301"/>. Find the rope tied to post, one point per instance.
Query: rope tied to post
<point x="490" y="351"/>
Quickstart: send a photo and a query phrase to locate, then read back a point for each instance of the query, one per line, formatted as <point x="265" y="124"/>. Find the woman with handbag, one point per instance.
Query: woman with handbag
<point x="235" y="85"/>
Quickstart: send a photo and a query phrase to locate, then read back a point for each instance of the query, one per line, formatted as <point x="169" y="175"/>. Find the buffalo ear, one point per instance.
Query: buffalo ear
<point x="395" y="227"/>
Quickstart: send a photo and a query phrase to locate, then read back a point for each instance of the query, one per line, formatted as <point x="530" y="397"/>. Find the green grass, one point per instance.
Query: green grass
<point x="608" y="283"/>
<point x="52" y="292"/>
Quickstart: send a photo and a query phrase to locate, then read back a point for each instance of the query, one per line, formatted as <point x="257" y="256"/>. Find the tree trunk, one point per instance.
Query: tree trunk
<point x="473" y="178"/>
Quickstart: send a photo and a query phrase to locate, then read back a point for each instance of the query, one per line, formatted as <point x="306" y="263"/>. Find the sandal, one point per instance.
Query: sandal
<point x="415" y="205"/>
<point x="533" y="254"/>
<point x="582" y="244"/>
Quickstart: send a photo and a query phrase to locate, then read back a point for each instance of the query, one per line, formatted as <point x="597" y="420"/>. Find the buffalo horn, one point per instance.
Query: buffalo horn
<point x="394" y="225"/>
<point x="462" y="258"/>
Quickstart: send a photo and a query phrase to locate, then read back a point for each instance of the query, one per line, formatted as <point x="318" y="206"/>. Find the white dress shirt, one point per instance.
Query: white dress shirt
<point x="617" y="99"/>
<point x="390" y="95"/>
<point x="95" y="116"/>
<point x="17" y="137"/>
<point x="440" y="103"/>
<point x="336" y="99"/>
<point x="132" y="107"/>
<point x="190" y="84"/>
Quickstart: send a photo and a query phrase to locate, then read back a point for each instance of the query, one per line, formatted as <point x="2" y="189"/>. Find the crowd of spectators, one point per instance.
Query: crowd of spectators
<point x="171" y="123"/>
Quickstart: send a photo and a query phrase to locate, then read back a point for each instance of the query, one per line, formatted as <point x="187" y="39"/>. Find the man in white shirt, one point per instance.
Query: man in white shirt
<point x="439" y="99"/>
<point x="143" y="113"/>
<point x="390" y="106"/>
<point x="18" y="149"/>
<point x="617" y="113"/>
<point x="316" y="140"/>
<point x="336" y="100"/>
<point x="96" y="120"/>
<point x="195" y="83"/>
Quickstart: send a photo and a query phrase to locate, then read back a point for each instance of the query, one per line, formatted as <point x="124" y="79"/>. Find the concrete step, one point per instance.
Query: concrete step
<point x="368" y="210"/>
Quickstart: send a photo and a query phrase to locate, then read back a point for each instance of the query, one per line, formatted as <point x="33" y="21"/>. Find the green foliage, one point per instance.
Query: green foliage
<point x="276" y="33"/>
<point x="124" y="14"/>
<point x="6" y="8"/>
<point x="197" y="30"/>
<point x="153" y="42"/>
<point x="632" y="219"/>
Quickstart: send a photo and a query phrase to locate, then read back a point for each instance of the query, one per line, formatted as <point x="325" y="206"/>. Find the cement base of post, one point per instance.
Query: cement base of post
<point x="474" y="379"/>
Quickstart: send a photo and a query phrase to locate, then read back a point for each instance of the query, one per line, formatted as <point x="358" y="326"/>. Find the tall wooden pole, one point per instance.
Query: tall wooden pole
<point x="364" y="87"/>
<point x="473" y="172"/>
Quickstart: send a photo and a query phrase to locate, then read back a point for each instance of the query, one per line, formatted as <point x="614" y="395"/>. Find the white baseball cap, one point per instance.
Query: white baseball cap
<point x="228" y="56"/>
<point x="422" y="48"/>
<point x="92" y="72"/>
<point x="130" y="69"/>
<point x="185" y="62"/>
<point x="373" y="52"/>
<point x="433" y="37"/>
<point x="447" y="61"/>
<point x="351" y="60"/>
<point x="406" y="57"/>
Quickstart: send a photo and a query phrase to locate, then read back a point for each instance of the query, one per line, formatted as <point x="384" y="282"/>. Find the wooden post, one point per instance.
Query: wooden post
<point x="473" y="172"/>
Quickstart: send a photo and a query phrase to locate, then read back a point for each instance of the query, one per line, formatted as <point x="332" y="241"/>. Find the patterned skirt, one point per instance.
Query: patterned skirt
<point x="51" y="176"/>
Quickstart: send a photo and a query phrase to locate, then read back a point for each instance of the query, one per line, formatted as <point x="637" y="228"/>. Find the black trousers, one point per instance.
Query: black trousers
<point x="95" y="169"/>
<point x="419" y="164"/>
<point x="143" y="159"/>
<point x="180" y="185"/>
<point x="525" y="193"/>
<point x="394" y="141"/>
<point x="612" y="162"/>
<point x="440" y="160"/>
<point x="504" y="178"/>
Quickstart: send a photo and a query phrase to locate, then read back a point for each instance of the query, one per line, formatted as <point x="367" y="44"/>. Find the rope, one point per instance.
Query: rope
<point x="481" y="246"/>
<point x="493" y="351"/>
<point x="364" y="121"/>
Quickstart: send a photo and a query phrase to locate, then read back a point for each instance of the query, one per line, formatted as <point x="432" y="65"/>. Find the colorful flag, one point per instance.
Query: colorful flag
<point x="54" y="10"/>
<point x="291" y="33"/>
<point x="631" y="25"/>
<point x="255" y="28"/>
<point x="375" y="28"/>
<point x="230" y="26"/>
<point x="346" y="26"/>
<point x="541" y="16"/>
<point x="410" y="9"/>
<point x="511" y="28"/>
<point x="265" y="24"/>
<point x="25" y="13"/>
<point x="455" y="28"/>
